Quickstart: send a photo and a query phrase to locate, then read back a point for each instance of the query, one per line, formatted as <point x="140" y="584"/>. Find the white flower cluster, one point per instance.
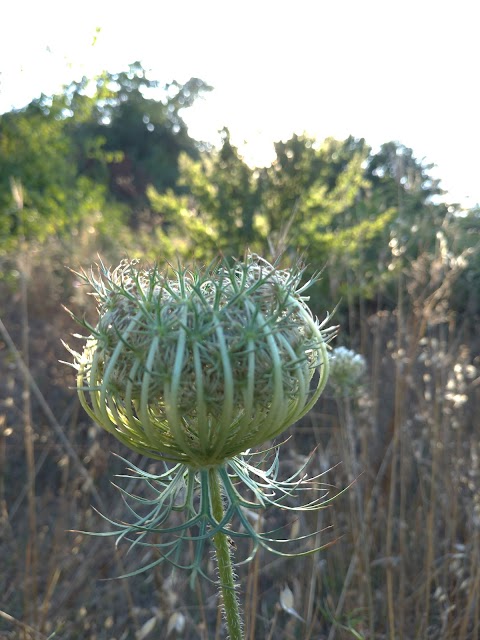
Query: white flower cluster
<point x="347" y="369"/>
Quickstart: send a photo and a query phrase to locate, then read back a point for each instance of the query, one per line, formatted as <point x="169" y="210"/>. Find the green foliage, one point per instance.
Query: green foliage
<point x="214" y="209"/>
<point x="113" y="154"/>
<point x="316" y="199"/>
<point x="396" y="174"/>
<point x="463" y="237"/>
<point x="49" y="197"/>
<point x="131" y="131"/>
<point x="91" y="152"/>
<point x="364" y="216"/>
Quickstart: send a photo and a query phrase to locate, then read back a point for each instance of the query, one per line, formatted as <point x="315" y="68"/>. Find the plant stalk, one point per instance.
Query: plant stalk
<point x="224" y="562"/>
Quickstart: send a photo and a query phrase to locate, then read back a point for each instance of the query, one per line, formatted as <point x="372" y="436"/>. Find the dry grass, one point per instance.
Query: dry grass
<point x="407" y="561"/>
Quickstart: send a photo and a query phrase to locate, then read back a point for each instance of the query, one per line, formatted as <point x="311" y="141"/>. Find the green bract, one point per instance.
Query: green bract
<point x="197" y="366"/>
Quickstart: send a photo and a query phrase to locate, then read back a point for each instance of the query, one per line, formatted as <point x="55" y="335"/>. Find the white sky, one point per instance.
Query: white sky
<point x="378" y="69"/>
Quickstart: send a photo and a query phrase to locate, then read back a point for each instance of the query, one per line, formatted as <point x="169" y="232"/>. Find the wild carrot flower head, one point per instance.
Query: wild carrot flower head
<point x="194" y="367"/>
<point x="197" y="366"/>
<point x="347" y="369"/>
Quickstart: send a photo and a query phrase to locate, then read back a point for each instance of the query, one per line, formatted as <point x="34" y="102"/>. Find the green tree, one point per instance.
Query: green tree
<point x="397" y="175"/>
<point x="316" y="199"/>
<point x="462" y="232"/>
<point x="214" y="206"/>
<point x="296" y="167"/>
<point x="92" y="151"/>
<point x="131" y="129"/>
<point x="37" y="155"/>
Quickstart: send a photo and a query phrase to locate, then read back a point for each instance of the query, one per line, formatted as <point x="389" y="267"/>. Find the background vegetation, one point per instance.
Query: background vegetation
<point x="108" y="168"/>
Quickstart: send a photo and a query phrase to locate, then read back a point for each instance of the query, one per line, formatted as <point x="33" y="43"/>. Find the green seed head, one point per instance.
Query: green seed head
<point x="197" y="366"/>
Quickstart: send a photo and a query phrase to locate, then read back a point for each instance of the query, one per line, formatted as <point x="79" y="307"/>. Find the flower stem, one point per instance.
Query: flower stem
<point x="224" y="561"/>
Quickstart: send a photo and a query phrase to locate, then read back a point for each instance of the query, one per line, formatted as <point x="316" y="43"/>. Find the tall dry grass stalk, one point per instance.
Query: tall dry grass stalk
<point x="409" y="439"/>
<point x="31" y="551"/>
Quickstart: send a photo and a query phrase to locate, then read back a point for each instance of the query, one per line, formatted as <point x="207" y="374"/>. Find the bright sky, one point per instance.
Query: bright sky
<point x="378" y="69"/>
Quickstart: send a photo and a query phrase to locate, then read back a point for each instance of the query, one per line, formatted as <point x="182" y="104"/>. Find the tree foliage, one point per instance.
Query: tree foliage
<point x="142" y="136"/>
<point x="215" y="207"/>
<point x="114" y="152"/>
<point x="41" y="191"/>
<point x="94" y="148"/>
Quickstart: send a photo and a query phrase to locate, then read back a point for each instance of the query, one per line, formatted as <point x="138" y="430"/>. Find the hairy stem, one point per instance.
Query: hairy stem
<point x="224" y="561"/>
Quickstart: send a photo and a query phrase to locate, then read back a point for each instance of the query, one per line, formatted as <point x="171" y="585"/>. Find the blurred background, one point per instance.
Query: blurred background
<point x="346" y="133"/>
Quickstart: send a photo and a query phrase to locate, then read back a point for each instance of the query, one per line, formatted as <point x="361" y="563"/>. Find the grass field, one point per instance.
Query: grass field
<point x="405" y="563"/>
